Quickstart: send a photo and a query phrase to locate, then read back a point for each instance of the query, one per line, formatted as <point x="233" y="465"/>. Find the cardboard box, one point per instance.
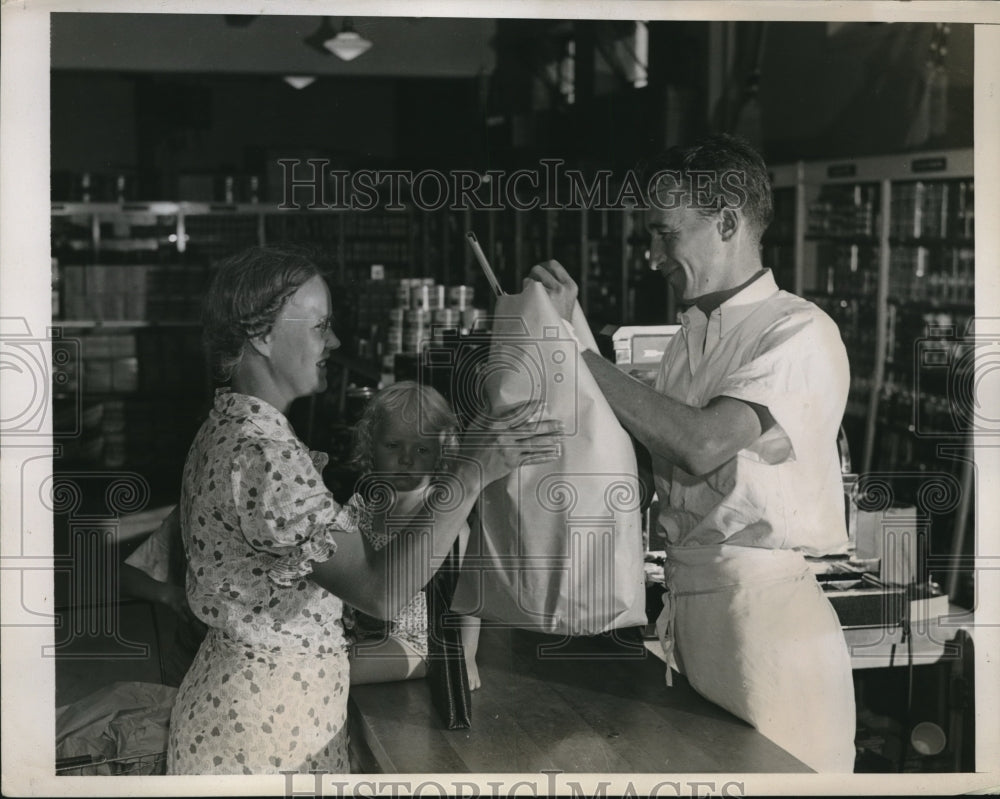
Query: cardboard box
<point x="893" y="537"/>
<point x="643" y="345"/>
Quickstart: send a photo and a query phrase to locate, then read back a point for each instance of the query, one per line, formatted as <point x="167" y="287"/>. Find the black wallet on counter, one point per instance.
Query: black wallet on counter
<point x="446" y="671"/>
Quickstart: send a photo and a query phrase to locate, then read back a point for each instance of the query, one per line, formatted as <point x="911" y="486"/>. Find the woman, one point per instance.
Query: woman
<point x="270" y="554"/>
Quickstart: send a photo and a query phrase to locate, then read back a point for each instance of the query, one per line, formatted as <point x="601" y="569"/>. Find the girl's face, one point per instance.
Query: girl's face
<point x="406" y="457"/>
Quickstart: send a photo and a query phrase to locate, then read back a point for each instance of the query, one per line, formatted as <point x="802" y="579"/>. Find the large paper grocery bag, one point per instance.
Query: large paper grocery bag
<point x="559" y="548"/>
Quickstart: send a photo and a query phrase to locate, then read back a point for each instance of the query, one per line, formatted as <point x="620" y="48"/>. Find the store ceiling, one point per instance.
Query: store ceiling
<point x="268" y="44"/>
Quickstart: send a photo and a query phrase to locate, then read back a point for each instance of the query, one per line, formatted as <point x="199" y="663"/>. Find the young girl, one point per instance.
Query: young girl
<point x="399" y="440"/>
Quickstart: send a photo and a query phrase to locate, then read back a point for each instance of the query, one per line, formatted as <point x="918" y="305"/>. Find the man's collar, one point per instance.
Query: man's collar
<point x="736" y="307"/>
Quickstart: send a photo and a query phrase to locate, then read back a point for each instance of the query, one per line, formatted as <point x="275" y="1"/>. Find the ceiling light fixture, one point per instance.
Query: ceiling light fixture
<point x="299" y="81"/>
<point x="346" y="45"/>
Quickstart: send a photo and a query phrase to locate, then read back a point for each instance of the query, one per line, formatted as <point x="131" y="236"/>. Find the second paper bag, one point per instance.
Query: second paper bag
<point x="559" y="548"/>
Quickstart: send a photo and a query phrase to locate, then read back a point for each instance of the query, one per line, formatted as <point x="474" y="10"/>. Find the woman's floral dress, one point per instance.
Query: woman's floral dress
<point x="267" y="691"/>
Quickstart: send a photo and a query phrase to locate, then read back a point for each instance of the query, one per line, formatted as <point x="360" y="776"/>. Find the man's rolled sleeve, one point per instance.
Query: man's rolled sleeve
<point x="800" y="373"/>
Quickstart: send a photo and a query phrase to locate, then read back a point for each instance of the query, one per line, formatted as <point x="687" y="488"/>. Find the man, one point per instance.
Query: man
<point x="742" y="426"/>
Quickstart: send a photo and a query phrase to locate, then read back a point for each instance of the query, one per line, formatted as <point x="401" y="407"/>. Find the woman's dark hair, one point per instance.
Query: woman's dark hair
<point x="720" y="171"/>
<point x="245" y="297"/>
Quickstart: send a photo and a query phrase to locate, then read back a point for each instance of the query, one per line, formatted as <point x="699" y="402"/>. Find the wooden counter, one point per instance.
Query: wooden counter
<point x="589" y="705"/>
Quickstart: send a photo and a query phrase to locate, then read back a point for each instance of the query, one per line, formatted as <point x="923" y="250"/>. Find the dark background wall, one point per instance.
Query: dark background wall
<point x="93" y="121"/>
<point x="824" y="91"/>
<point x="830" y="91"/>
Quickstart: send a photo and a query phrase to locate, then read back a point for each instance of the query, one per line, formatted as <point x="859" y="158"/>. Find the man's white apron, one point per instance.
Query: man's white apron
<point x="752" y="631"/>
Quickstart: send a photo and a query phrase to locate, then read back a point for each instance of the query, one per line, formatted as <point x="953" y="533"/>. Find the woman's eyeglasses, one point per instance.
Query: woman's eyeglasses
<point x="322" y="326"/>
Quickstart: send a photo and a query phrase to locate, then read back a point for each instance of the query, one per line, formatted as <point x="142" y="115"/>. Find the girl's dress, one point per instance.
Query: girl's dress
<point x="410" y="625"/>
<point x="267" y="691"/>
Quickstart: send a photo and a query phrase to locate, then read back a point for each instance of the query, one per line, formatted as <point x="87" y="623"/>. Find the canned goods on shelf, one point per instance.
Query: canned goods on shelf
<point x="427" y="297"/>
<point x="447" y="316"/>
<point x="412" y="335"/>
<point x="473" y="318"/>
<point x="440" y="333"/>
<point x="460" y="297"/>
<point x="416" y="316"/>
<point x="414" y="342"/>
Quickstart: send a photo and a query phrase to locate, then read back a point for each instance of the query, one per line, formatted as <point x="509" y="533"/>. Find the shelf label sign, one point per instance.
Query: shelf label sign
<point x="935" y="164"/>
<point x="842" y="170"/>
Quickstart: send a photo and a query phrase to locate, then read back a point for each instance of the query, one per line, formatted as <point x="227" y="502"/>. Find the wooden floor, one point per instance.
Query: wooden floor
<point x="591" y="705"/>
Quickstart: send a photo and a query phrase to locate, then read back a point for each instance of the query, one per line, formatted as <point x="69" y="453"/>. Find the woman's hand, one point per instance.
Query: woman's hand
<point x="519" y="436"/>
<point x="561" y="288"/>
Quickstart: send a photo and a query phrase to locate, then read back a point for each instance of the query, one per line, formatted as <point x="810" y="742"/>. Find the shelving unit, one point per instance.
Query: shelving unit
<point x="886" y="246"/>
<point x="131" y="276"/>
<point x="783" y="240"/>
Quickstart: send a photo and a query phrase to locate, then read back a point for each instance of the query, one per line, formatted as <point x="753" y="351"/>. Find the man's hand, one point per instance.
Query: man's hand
<point x="561" y="288"/>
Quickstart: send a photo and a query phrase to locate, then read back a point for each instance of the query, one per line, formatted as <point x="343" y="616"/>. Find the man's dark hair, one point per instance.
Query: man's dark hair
<point x="721" y="171"/>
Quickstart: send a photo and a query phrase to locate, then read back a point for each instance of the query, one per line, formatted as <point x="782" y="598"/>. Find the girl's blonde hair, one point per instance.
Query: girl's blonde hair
<point x="421" y="406"/>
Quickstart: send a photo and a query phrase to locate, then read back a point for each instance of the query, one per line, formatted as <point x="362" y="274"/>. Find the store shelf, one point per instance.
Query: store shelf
<point x="839" y="295"/>
<point x="122" y="323"/>
<point x="842" y="238"/>
<point x="885" y="245"/>
<point x="946" y="241"/>
<point x="930" y="165"/>
<point x="143" y="394"/>
<point x="935" y="305"/>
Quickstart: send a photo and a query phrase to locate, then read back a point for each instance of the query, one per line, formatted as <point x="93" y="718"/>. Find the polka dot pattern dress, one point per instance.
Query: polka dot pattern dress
<point x="267" y="691"/>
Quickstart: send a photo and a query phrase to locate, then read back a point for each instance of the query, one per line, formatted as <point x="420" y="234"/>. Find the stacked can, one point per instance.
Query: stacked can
<point x="427" y="296"/>
<point x="394" y="333"/>
<point x="460" y="299"/>
<point x="425" y="312"/>
<point x="472" y="318"/>
<point x="425" y="299"/>
<point x="445" y="320"/>
<point x="403" y="295"/>
<point x="416" y="329"/>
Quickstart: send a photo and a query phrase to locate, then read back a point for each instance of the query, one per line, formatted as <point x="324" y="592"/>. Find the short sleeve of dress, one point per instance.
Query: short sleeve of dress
<point x="284" y="508"/>
<point x="800" y="373"/>
<point x="356" y="516"/>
